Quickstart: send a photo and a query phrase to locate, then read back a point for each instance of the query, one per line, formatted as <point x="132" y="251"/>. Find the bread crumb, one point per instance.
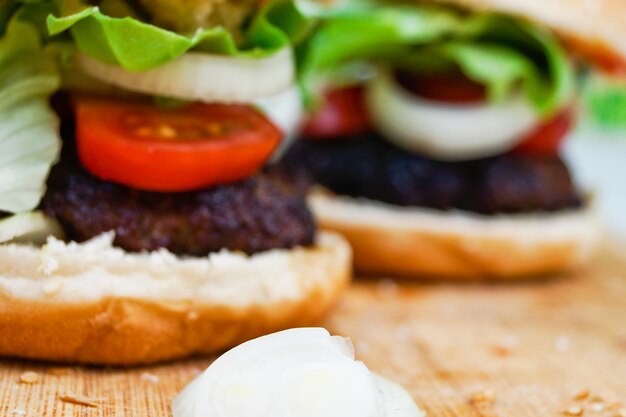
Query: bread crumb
<point x="562" y="344"/>
<point x="29" y="377"/>
<point x="484" y="397"/>
<point x="192" y="315"/>
<point x="18" y="412"/>
<point x="78" y="400"/>
<point x="575" y="411"/>
<point x="597" y="406"/>
<point x="500" y="350"/>
<point x="51" y="287"/>
<point x="147" y="376"/>
<point x="582" y="395"/>
<point x="511" y="341"/>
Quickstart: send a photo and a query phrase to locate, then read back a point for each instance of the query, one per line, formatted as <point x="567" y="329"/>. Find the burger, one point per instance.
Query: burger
<point x="436" y="128"/>
<point x="140" y="220"/>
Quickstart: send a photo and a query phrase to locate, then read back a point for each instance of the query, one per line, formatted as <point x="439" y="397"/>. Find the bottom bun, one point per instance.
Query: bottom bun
<point x="94" y="303"/>
<point x="425" y="243"/>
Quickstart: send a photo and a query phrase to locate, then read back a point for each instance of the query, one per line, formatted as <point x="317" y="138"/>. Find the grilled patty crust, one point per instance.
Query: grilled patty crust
<point x="260" y="213"/>
<point x="370" y="167"/>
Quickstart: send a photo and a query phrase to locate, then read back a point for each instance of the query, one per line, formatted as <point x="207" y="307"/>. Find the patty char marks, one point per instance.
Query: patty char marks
<point x="260" y="213"/>
<point x="370" y="167"/>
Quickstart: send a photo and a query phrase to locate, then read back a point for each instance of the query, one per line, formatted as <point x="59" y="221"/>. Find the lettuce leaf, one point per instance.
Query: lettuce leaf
<point x="367" y="33"/>
<point x="605" y="103"/>
<point x="139" y="46"/>
<point x="29" y="139"/>
<point x="502" y="53"/>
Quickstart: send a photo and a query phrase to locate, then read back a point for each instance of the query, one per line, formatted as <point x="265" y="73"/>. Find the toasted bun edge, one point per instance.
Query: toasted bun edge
<point x="434" y="245"/>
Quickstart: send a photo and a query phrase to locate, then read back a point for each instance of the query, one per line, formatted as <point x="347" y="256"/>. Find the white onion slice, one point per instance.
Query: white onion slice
<point x="285" y="110"/>
<point x="295" y="373"/>
<point x="397" y="401"/>
<point x="30" y="226"/>
<point x="447" y="132"/>
<point x="202" y="77"/>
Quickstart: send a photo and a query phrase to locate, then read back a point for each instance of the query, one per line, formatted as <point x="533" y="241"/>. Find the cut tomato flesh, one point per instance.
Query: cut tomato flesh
<point x="546" y="139"/>
<point x="342" y="114"/>
<point x="451" y="87"/>
<point x="156" y="149"/>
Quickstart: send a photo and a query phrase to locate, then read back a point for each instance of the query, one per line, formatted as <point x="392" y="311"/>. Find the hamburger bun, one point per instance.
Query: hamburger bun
<point x="94" y="303"/>
<point x="595" y="28"/>
<point x="429" y="244"/>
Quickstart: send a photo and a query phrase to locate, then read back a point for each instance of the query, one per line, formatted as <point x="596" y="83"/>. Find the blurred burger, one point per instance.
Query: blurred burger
<point x="164" y="233"/>
<point x="436" y="131"/>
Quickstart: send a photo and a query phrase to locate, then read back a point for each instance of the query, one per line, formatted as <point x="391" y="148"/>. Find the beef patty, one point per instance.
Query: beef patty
<point x="264" y="212"/>
<point x="370" y="167"/>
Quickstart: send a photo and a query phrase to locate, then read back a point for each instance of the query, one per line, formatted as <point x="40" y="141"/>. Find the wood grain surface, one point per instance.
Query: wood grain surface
<point x="555" y="348"/>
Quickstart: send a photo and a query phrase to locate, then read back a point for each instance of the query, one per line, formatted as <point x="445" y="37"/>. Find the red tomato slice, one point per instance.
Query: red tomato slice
<point x="156" y="149"/>
<point x="343" y="114"/>
<point x="547" y="138"/>
<point x="451" y="87"/>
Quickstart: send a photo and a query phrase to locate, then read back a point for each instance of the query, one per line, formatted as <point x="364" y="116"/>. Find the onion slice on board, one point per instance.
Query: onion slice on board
<point x="447" y="131"/>
<point x="202" y="77"/>
<point x="302" y="372"/>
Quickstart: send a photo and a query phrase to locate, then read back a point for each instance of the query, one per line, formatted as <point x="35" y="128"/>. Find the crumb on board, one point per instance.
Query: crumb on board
<point x="597" y="406"/>
<point x="18" y="412"/>
<point x="574" y="411"/>
<point x="78" y="400"/>
<point x="562" y="344"/>
<point x="502" y="350"/>
<point x="29" y="377"/>
<point x="582" y="395"/>
<point x="484" y="397"/>
<point x="597" y="399"/>
<point x="147" y="376"/>
<point x="506" y="346"/>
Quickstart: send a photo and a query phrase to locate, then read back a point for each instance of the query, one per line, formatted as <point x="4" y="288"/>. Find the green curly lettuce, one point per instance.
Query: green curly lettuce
<point x="29" y="138"/>
<point x="139" y="46"/>
<point x="500" y="52"/>
<point x="605" y="103"/>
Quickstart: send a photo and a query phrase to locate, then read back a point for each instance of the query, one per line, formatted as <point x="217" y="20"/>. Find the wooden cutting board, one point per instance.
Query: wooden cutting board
<point x="490" y="350"/>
